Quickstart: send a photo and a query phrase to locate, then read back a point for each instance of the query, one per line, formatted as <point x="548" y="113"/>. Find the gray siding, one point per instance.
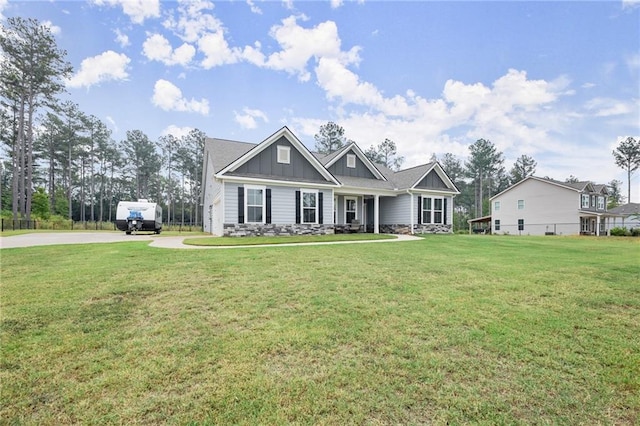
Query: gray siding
<point x="432" y="180"/>
<point x="395" y="210"/>
<point x="266" y="164"/>
<point x="339" y="168"/>
<point x="283" y="204"/>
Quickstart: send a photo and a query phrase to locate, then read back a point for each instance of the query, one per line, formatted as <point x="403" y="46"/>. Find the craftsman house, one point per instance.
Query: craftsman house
<point x="541" y="206"/>
<point x="279" y="187"/>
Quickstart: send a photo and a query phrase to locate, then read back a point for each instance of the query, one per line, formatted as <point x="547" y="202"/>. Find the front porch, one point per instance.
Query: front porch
<point x="354" y="212"/>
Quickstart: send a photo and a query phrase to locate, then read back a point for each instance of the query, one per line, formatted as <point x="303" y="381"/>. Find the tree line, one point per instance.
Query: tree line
<point x="61" y="161"/>
<point x="483" y="174"/>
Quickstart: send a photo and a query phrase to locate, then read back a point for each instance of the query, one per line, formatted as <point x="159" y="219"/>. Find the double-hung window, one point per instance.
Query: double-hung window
<point x="585" y="201"/>
<point x="432" y="210"/>
<point x="254" y="204"/>
<point x="600" y="203"/>
<point x="309" y="200"/>
<point x="350" y="209"/>
<point x="520" y="224"/>
<point x="520" y="204"/>
<point x="497" y="225"/>
<point x="496" y="205"/>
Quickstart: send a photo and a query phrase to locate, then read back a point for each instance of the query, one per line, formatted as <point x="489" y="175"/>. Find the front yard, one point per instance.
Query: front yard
<point x="448" y="329"/>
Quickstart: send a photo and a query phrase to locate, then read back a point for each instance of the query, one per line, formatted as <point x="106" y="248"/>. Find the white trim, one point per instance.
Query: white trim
<point x="358" y="152"/>
<point x="283" y="154"/>
<point x="432" y="211"/>
<point x="294" y="141"/>
<point x="345" y="208"/>
<point x="442" y="175"/>
<point x="260" y="181"/>
<point x="302" y="207"/>
<point x="351" y="161"/>
<point x="246" y="202"/>
<point x="520" y="204"/>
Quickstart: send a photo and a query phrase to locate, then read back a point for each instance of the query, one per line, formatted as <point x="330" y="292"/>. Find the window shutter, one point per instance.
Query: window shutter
<point x="320" y="216"/>
<point x="240" y="204"/>
<point x="444" y="212"/>
<point x="297" y="206"/>
<point x="268" y="206"/>
<point x="419" y="210"/>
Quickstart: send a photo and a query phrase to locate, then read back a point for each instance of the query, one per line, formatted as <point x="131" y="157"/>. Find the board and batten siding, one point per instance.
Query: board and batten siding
<point x="547" y="208"/>
<point x="283" y="203"/>
<point x="339" y="168"/>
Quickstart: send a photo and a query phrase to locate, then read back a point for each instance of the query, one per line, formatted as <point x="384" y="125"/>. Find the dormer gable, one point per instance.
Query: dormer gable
<point x="435" y="178"/>
<point x="351" y="161"/>
<point x="282" y="156"/>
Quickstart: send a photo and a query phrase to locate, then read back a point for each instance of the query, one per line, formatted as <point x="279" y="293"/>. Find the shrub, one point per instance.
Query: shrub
<point x="619" y="232"/>
<point x="635" y="232"/>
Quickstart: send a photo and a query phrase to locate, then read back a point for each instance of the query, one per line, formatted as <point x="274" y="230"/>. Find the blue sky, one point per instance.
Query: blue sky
<point x="559" y="81"/>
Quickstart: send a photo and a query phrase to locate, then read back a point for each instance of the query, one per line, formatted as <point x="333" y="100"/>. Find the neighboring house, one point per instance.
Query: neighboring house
<point x="625" y="216"/>
<point x="539" y="206"/>
<point x="279" y="187"/>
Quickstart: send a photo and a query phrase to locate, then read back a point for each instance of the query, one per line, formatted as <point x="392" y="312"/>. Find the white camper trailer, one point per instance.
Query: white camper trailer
<point x="141" y="215"/>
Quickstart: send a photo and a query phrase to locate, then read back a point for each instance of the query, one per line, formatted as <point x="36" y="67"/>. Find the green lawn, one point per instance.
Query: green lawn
<point x="448" y="329"/>
<point x="298" y="239"/>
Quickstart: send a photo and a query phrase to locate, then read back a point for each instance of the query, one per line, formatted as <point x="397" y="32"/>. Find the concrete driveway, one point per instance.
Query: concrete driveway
<point x="45" y="239"/>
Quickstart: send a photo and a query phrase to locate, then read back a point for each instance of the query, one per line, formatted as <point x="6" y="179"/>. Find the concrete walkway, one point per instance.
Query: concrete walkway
<point x="45" y="239"/>
<point x="176" y="242"/>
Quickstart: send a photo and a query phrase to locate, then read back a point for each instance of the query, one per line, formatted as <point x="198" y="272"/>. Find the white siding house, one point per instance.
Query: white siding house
<point x="540" y="206"/>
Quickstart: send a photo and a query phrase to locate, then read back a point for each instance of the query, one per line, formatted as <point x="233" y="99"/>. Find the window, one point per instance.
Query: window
<point x="600" y="203"/>
<point x="496" y="205"/>
<point x="432" y="210"/>
<point x="284" y="154"/>
<point x="426" y="210"/>
<point x="497" y="225"/>
<point x="309" y="201"/>
<point x="351" y="161"/>
<point x="350" y="209"/>
<point x="585" y="201"/>
<point x="520" y="224"/>
<point x="593" y="201"/>
<point x="254" y="204"/>
<point x="520" y="204"/>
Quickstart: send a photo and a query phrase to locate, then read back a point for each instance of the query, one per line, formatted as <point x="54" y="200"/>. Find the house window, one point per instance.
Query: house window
<point x="600" y="203"/>
<point x="432" y="210"/>
<point x="284" y="154"/>
<point x="309" y="201"/>
<point x="520" y="224"/>
<point x="496" y="205"/>
<point x="350" y="209"/>
<point x="593" y="201"/>
<point x="351" y="161"/>
<point x="585" y="201"/>
<point x="497" y="224"/>
<point x="520" y="204"/>
<point x="254" y="204"/>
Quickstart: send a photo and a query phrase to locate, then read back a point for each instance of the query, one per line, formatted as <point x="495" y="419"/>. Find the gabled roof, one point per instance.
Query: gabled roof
<point x="582" y="186"/>
<point x="330" y="159"/>
<point x="295" y="142"/>
<point x="626" y="209"/>
<point x="226" y="151"/>
<point x="410" y="178"/>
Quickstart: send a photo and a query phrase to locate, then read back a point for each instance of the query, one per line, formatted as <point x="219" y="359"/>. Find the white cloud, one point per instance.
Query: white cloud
<point x="287" y="4"/>
<point x="169" y="97"/>
<point x="137" y="10"/>
<point x="255" y="9"/>
<point x="336" y="4"/>
<point x="588" y="85"/>
<point x="192" y="21"/>
<point x="299" y="45"/>
<point x="216" y="50"/>
<point x="248" y="119"/>
<point x="176" y="131"/>
<point x="112" y="124"/>
<point x="55" y="30"/>
<point x="3" y="5"/>
<point x="630" y="4"/>
<point x="606" y="107"/>
<point x="633" y="60"/>
<point x="107" y="66"/>
<point x="157" y="48"/>
<point x="121" y="38"/>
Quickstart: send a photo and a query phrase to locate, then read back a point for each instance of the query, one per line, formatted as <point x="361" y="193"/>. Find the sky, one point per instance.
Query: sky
<point x="558" y="81"/>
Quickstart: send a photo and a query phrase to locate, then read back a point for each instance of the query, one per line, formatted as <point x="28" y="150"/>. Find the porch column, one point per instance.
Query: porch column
<point x="376" y="215"/>
<point x="597" y="225"/>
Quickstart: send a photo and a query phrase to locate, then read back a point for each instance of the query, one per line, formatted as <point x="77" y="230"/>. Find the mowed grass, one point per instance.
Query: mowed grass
<point x="293" y="239"/>
<point x="445" y="330"/>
